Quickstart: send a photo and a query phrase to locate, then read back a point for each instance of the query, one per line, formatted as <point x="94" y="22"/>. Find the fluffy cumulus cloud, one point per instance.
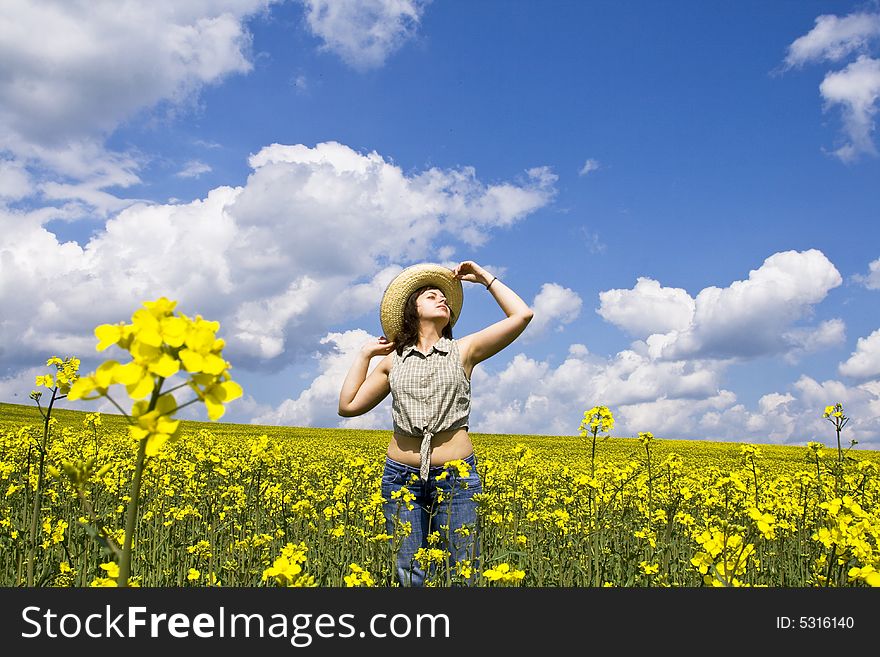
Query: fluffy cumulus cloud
<point x="554" y="306"/>
<point x="99" y="64"/>
<point x="855" y="88"/>
<point x="364" y="33"/>
<point x="865" y="360"/>
<point x="647" y="309"/>
<point x="311" y="239"/>
<point x="749" y="318"/>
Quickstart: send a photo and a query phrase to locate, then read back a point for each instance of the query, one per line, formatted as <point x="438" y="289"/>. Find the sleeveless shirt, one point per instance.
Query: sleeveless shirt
<point x="430" y="393"/>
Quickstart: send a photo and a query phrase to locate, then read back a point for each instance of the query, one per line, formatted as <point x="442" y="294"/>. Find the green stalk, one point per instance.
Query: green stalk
<point x="650" y="488"/>
<point x="38" y="496"/>
<point x="839" y="451"/>
<point x="131" y="515"/>
<point x="131" y="511"/>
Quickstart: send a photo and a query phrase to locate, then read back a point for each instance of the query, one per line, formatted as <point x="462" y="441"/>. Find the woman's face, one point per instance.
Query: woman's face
<point x="431" y="304"/>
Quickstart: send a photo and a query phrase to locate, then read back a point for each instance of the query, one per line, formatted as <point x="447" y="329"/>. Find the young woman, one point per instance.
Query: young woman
<point x="428" y="374"/>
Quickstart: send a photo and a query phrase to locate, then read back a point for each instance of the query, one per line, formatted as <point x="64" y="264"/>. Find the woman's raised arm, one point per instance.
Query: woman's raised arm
<point x="361" y="393"/>
<point x="489" y="341"/>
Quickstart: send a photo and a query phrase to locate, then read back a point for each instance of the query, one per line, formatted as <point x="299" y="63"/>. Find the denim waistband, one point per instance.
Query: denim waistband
<point x="471" y="460"/>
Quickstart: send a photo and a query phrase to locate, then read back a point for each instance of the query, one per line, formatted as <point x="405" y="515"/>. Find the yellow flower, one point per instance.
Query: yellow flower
<point x="154" y="426"/>
<point x="598" y="418"/>
<point x="45" y="380"/>
<point x="764" y="522"/>
<point x="112" y="570"/>
<point x="358" y="577"/>
<point x="283" y="570"/>
<point x="462" y="466"/>
<point x="193" y="575"/>
<point x="215" y="393"/>
<point x="504" y="573"/>
<point x="702" y="561"/>
<point x="110" y="334"/>
<point x="649" y="568"/>
<point x="287" y="569"/>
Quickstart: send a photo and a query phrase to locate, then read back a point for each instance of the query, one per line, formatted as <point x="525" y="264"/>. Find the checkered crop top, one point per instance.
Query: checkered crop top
<point x="430" y="393"/>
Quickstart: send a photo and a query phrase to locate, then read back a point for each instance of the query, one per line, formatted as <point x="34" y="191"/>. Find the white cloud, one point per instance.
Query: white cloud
<point x="772" y="401"/>
<point x="15" y="183"/>
<point x="856" y="89"/>
<point x="834" y="38"/>
<point x="365" y="33"/>
<point x="193" y="169"/>
<point x="98" y="64"/>
<point x="589" y="166"/>
<point x="805" y="340"/>
<point x="647" y="309"/>
<point x="553" y="305"/>
<point x="756" y="317"/>
<point x="672" y="399"/>
<point x="872" y="279"/>
<point x="865" y="360"/>
<point x="529" y="396"/>
<point x="310" y="240"/>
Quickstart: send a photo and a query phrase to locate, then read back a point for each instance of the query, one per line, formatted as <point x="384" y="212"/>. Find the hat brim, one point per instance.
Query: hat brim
<point x="410" y="280"/>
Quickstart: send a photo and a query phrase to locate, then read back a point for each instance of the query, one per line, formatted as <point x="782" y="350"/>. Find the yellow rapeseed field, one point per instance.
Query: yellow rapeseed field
<point x="244" y="505"/>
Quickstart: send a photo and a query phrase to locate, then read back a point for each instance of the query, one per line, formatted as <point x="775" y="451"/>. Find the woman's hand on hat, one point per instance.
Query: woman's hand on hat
<point x="378" y="347"/>
<point x="470" y="271"/>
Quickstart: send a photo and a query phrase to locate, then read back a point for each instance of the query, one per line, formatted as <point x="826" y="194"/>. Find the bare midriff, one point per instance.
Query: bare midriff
<point x="445" y="446"/>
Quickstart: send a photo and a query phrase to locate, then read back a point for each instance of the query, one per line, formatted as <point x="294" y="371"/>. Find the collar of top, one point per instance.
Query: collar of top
<point x="442" y="345"/>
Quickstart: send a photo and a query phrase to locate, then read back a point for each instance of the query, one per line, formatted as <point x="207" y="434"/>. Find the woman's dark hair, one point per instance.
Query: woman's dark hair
<point x="409" y="332"/>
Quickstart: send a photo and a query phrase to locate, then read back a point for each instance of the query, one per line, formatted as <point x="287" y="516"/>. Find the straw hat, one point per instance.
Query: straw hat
<point x="410" y="280"/>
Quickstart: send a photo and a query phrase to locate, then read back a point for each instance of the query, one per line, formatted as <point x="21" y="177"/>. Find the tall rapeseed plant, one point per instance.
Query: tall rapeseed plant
<point x="161" y="344"/>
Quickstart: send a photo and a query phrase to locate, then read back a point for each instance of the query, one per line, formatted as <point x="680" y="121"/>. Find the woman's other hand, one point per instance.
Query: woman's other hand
<point x="468" y="270"/>
<point x="378" y="347"/>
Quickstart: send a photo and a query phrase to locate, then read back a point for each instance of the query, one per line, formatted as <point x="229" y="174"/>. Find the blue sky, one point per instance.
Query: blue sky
<point x="686" y="194"/>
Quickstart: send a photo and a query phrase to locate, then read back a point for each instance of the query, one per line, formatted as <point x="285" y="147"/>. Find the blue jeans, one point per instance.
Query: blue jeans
<point x="442" y="506"/>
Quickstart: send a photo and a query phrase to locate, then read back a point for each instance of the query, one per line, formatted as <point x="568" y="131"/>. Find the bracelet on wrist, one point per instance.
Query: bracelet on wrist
<point x="494" y="278"/>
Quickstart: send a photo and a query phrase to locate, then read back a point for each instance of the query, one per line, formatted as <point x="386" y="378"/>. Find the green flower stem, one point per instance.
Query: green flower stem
<point x="650" y="487"/>
<point x="755" y="476"/>
<point x="593" y="454"/>
<point x="38" y="496"/>
<point x="131" y="515"/>
<point x="131" y="511"/>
